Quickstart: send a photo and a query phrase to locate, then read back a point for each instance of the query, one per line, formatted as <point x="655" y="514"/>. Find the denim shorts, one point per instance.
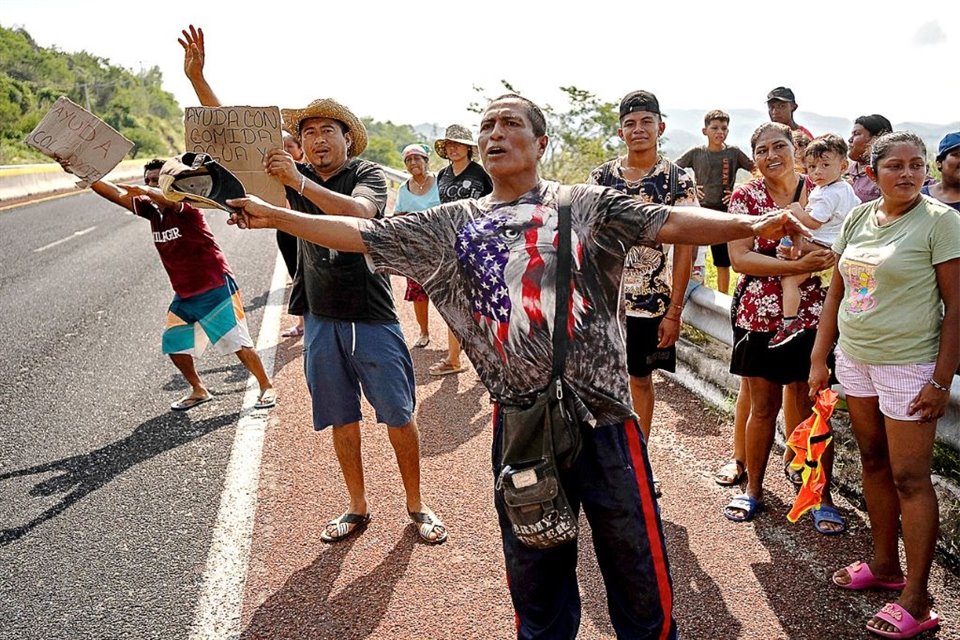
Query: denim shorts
<point x="342" y="358"/>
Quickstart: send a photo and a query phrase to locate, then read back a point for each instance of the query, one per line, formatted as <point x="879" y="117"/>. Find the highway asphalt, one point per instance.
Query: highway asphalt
<point x="106" y="497"/>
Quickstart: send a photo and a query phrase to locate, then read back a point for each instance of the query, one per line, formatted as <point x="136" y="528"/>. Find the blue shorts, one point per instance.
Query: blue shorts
<point x="341" y="358"/>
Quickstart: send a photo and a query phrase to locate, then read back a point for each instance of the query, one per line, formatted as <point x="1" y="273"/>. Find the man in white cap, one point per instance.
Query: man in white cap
<point x="493" y="262"/>
<point x="352" y="336"/>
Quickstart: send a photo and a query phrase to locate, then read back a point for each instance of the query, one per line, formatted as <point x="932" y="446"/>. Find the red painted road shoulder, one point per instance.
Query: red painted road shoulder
<point x="764" y="580"/>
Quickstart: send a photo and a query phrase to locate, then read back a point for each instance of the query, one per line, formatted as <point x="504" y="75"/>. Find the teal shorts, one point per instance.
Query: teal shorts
<point x="215" y="318"/>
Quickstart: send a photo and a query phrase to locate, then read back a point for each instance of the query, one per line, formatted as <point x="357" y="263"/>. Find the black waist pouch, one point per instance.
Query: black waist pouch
<point x="539" y="441"/>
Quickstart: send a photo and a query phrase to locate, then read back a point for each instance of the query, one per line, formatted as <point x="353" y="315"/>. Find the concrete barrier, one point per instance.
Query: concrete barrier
<point x="29" y="180"/>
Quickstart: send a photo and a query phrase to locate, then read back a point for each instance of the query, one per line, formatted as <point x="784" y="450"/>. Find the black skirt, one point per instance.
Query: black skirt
<point x="752" y="358"/>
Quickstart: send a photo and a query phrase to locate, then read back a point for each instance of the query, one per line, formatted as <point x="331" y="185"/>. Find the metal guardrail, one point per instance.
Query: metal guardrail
<point x="26" y="180"/>
<point x="708" y="311"/>
<point x="394" y="176"/>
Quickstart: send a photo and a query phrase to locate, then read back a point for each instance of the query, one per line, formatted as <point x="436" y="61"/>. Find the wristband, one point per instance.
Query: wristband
<point x="675" y="318"/>
<point x="936" y="385"/>
<point x="303" y="183"/>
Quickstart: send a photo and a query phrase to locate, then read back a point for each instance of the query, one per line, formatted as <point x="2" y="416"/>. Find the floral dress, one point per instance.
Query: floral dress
<point x="758" y="300"/>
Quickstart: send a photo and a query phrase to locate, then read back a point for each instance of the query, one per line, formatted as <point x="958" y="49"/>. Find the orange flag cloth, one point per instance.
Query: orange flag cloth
<point x="808" y="442"/>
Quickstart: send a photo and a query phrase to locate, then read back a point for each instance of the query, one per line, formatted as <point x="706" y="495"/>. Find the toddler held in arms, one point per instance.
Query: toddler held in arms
<point x="830" y="201"/>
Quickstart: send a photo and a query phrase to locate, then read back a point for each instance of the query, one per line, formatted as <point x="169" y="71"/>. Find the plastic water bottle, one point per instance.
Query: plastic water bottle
<point x="786" y="248"/>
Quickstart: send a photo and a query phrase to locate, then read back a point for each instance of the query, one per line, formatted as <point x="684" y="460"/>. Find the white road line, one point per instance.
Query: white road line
<point x="75" y="234"/>
<point x="221" y="592"/>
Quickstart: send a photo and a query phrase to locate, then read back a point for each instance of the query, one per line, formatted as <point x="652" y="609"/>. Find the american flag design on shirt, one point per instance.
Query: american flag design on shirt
<point x="490" y="270"/>
<point x="509" y="264"/>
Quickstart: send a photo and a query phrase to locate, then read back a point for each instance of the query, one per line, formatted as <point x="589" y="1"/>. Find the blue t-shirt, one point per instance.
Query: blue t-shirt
<point x="925" y="190"/>
<point x="409" y="202"/>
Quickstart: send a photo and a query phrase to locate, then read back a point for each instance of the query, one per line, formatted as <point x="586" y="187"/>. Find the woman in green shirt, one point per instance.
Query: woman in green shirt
<point x="899" y="252"/>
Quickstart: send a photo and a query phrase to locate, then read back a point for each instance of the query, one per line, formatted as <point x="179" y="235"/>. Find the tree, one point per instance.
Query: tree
<point x="382" y="151"/>
<point x="386" y="140"/>
<point x="582" y="136"/>
<point x="33" y="77"/>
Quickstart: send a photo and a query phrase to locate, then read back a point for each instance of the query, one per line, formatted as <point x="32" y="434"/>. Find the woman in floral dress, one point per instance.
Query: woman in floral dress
<point x="758" y="310"/>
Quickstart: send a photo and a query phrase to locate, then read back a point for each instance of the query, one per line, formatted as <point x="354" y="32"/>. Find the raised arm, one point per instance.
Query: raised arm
<point x="113" y="193"/>
<point x="336" y="232"/>
<point x="194" y="57"/>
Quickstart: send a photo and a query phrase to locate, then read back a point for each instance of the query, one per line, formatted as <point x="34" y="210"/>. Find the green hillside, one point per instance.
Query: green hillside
<point x="33" y="77"/>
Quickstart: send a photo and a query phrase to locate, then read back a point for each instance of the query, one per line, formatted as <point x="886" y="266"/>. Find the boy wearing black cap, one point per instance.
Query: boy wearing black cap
<point x="781" y="104"/>
<point x="654" y="278"/>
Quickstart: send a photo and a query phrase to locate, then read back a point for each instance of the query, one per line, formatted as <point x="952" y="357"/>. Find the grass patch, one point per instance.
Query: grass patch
<point x="946" y="462"/>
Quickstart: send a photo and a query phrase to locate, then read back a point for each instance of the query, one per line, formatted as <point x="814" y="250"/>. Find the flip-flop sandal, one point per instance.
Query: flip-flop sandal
<point x="730" y="474"/>
<point x="427" y="522"/>
<point x="421" y="342"/>
<point x="862" y="578"/>
<point x="187" y="403"/>
<point x="828" y="513"/>
<point x="293" y="332"/>
<point x="906" y="625"/>
<point x="747" y="505"/>
<point x="344" y="527"/>
<point x="267" y="400"/>
<point x="445" y="369"/>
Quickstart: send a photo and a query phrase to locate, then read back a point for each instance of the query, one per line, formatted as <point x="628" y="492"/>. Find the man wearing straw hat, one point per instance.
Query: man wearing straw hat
<point x="352" y="336"/>
<point x="494" y="260"/>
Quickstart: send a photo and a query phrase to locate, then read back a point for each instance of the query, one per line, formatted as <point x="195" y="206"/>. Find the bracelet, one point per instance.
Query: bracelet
<point x="676" y="306"/>
<point x="303" y="183"/>
<point x="675" y="318"/>
<point x="936" y="385"/>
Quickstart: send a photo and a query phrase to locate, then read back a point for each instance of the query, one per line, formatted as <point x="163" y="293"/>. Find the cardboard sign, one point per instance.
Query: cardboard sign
<point x="91" y="146"/>
<point x="239" y="138"/>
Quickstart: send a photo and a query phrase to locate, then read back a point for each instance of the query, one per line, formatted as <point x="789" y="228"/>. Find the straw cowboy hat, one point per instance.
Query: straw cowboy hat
<point x="328" y="108"/>
<point x="454" y="133"/>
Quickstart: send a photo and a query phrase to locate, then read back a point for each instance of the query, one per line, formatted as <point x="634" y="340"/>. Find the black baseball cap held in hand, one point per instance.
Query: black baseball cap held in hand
<point x="198" y="178"/>
<point x="639" y="101"/>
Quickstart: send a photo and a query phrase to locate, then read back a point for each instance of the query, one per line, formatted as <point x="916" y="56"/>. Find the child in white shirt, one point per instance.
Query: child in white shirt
<point x="829" y="203"/>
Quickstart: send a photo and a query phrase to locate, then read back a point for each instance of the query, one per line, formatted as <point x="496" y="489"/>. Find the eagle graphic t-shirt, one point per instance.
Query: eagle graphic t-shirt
<point x="490" y="269"/>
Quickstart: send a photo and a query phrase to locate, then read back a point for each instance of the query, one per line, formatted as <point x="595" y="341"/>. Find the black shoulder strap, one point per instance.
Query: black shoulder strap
<point x="564" y="260"/>
<point x="800" y="184"/>
<point x="674" y="183"/>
